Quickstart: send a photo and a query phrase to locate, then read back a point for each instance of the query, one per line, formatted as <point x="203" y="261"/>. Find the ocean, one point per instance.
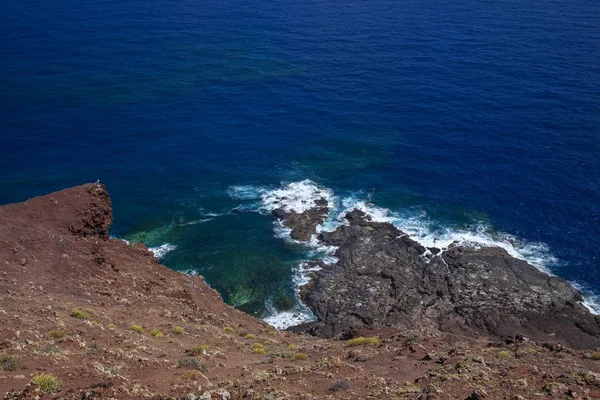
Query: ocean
<point x="456" y="120"/>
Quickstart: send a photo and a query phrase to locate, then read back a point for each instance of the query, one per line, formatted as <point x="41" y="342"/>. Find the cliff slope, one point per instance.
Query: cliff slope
<point x="83" y="316"/>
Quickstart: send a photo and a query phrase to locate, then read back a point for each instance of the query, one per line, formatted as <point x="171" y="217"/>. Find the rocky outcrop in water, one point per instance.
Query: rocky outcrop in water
<point x="303" y="225"/>
<point x="383" y="279"/>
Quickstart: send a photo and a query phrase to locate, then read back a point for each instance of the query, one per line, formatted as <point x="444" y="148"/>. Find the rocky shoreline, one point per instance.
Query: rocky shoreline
<point x="382" y="278"/>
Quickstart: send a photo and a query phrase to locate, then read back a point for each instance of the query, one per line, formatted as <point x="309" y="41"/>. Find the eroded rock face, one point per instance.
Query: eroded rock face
<point x="383" y="280"/>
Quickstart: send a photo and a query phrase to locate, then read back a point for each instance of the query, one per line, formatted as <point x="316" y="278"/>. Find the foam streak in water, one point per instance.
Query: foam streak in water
<point x="160" y="251"/>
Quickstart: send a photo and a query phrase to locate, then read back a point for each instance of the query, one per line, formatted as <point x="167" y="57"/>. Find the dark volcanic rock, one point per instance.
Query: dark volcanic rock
<point x="434" y="250"/>
<point x="381" y="280"/>
<point x="303" y="225"/>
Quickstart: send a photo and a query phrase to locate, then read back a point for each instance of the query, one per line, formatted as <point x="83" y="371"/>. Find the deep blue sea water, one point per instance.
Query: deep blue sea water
<point x="457" y="118"/>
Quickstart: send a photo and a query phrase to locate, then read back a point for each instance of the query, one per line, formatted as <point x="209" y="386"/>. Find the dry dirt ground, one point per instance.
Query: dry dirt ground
<point x="88" y="317"/>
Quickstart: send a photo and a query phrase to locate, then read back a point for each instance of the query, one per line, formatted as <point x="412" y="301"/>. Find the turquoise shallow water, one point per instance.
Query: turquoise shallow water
<point x="463" y="119"/>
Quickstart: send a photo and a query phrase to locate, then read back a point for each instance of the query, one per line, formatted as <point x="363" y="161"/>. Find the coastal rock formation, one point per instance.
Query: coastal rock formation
<point x="383" y="279"/>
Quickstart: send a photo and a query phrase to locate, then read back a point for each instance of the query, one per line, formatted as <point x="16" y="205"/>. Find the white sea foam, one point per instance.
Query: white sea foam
<point x="295" y="196"/>
<point x="213" y="215"/>
<point x="418" y="226"/>
<point x="590" y="301"/>
<point x="286" y="319"/>
<point x="245" y="192"/>
<point x="162" y="250"/>
<point x="122" y="240"/>
<point x="196" y="222"/>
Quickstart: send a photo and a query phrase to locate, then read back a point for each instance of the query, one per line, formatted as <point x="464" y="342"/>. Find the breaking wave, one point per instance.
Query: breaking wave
<point x="162" y="250"/>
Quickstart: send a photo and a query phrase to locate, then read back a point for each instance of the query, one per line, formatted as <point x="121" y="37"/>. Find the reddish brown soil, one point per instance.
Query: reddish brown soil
<point x="57" y="263"/>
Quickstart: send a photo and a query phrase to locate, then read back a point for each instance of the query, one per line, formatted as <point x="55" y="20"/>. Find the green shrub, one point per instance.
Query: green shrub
<point x="192" y="363"/>
<point x="56" y="334"/>
<point x="258" y="348"/>
<point x="47" y="383"/>
<point x="250" y="336"/>
<point x="292" y="347"/>
<point x="92" y="347"/>
<point x="178" y="330"/>
<point x="156" y="333"/>
<point x="359" y="341"/>
<point x="79" y="314"/>
<point x="196" y="351"/>
<point x="111" y="327"/>
<point x="300" y="356"/>
<point x="137" y="329"/>
<point x="8" y="363"/>
<point x="191" y="375"/>
<point x="228" y="329"/>
<point x="504" y="354"/>
<point x="283" y="354"/>
<point x="271" y="333"/>
<point x="49" y="349"/>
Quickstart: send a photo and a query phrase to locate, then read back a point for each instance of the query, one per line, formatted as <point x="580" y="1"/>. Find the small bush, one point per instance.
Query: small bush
<point x="228" y="329"/>
<point x="92" y="347"/>
<point x="191" y="375"/>
<point x="504" y="354"/>
<point x="283" y="354"/>
<point x="300" y="356"/>
<point x="196" y="364"/>
<point x="114" y="371"/>
<point x="50" y="349"/>
<point x="250" y="336"/>
<point x="178" y="330"/>
<point x="47" y="383"/>
<point x="258" y="348"/>
<point x="56" y="334"/>
<point x="137" y="329"/>
<point x="8" y="363"/>
<point x="359" y="341"/>
<point x="111" y="327"/>
<point x="79" y="314"/>
<point x="412" y="339"/>
<point x="596" y="355"/>
<point x="271" y="333"/>
<point x="292" y="347"/>
<point x="156" y="333"/>
<point x="340" y="385"/>
<point x="196" y="351"/>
